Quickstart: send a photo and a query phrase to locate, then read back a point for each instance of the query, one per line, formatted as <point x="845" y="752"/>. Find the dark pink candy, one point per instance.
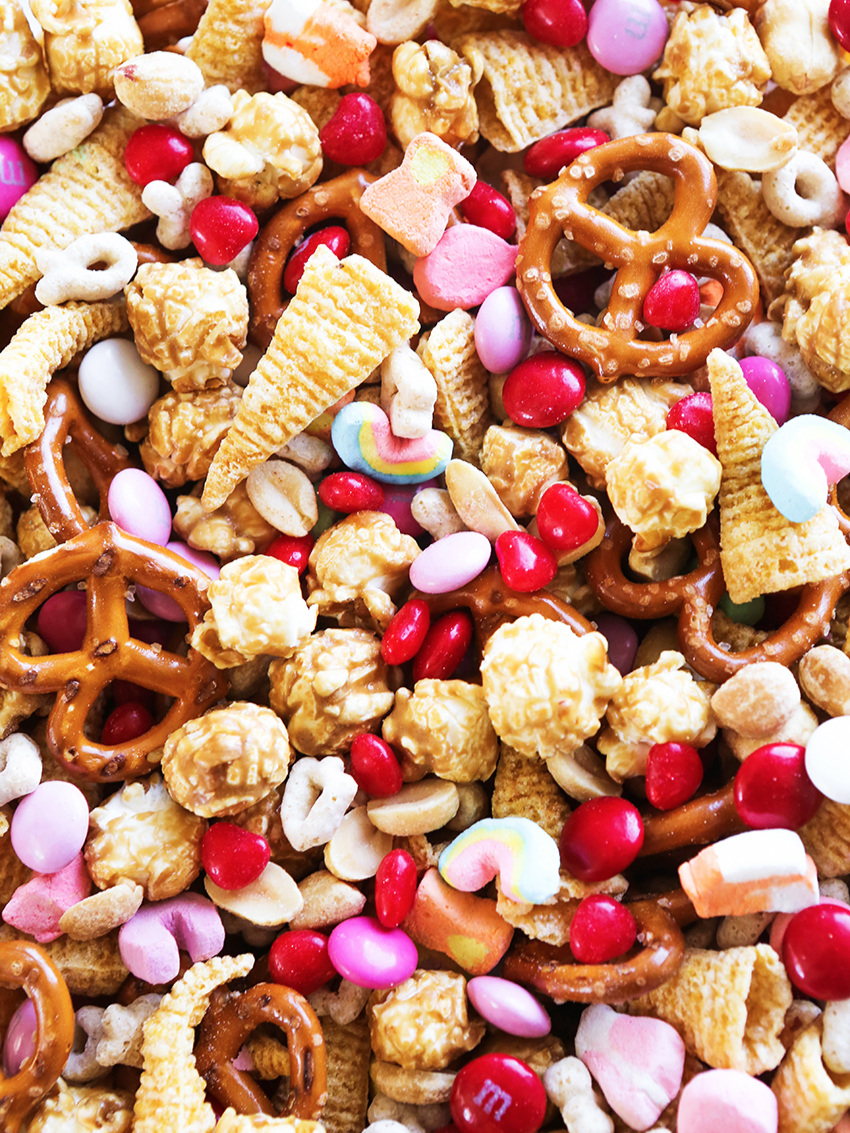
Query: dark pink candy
<point x="497" y="1093"/>
<point x="487" y="208"/>
<point x="444" y="647"/>
<point x="546" y="158"/>
<point x="357" y="132"/>
<point x="600" y="838"/>
<point x="543" y="390"/>
<point x="526" y="563"/>
<point x="233" y="857"/>
<point x="601" y="930"/>
<point x="694" y="415"/>
<point x="563" y="23"/>
<point x="622" y="640"/>
<point x="62" y="621"/>
<point x="673" y="302"/>
<point x="395" y="888"/>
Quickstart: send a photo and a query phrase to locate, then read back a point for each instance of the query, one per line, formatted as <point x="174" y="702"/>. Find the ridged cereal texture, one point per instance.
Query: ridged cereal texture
<point x="227" y="45"/>
<point x="809" y="1097"/>
<point x="462" y="408"/>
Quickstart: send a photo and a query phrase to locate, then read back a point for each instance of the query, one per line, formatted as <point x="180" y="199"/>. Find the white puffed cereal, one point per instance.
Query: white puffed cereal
<point x="827" y="763"/>
<point x="63" y="127"/>
<point x="158" y="85"/>
<point x="408" y="392"/>
<point x="283" y="496"/>
<point x="20" y="767"/>
<point x="211" y="111"/>
<point x="318" y="793"/>
<point x="804" y="191"/>
<point x="82" y="1065"/>
<point x="632" y="110"/>
<point x="115" y="384"/>
<point x="173" y="204"/>
<point x="67" y="273"/>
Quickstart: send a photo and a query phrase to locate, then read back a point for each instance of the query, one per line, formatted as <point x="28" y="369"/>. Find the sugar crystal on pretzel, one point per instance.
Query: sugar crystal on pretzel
<point x="344" y="320"/>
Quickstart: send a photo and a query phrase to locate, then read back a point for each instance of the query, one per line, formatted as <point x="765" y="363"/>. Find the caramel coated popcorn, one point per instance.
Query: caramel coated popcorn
<point x="269" y="149"/>
<point x="444" y="727"/>
<point x="189" y="322"/>
<point x="257" y="608"/>
<point x="184" y="432"/>
<point x="223" y="762"/>
<point x="663" y="488"/>
<point x="546" y="687"/>
<point x="357" y="567"/>
<point x="655" y="704"/>
<point x="234" y="529"/>
<point x="333" y="687"/>
<point x="142" y="835"/>
<point x="423" y="1024"/>
<point x="521" y="464"/>
<point x="434" y="92"/>
<point x="712" y="62"/>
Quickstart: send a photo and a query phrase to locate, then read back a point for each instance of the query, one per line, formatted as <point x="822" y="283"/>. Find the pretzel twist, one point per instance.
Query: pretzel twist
<point x="109" y="561"/>
<point x="694" y="597"/>
<point x="25" y="965"/>
<point x="67" y="423"/>
<point x="338" y="199"/>
<point x="230" y="1019"/>
<point x="561" y="209"/>
<point x="551" y="969"/>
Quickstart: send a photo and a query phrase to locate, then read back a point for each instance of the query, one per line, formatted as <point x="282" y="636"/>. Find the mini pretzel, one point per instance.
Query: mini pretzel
<point x="695" y="823"/>
<point x="109" y="561"/>
<point x="561" y="209"/>
<point x="231" y="1018"/>
<point x="67" y="423"/>
<point x="695" y="597"/>
<point x="491" y="603"/>
<point x="164" y="22"/>
<point x="25" y="965"/>
<point x="338" y="199"/>
<point x="551" y="968"/>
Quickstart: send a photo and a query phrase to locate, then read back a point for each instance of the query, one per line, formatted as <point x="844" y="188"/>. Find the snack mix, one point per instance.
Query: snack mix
<point x="424" y="566"/>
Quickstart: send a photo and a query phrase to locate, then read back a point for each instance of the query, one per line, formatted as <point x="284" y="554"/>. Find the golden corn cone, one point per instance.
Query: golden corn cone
<point x="171" y="1084"/>
<point x="347" y="1051"/>
<point x="529" y="89"/>
<point x="827" y="839"/>
<point x="88" y="190"/>
<point x="820" y="128"/>
<point x="233" y="1122"/>
<point x="462" y="409"/>
<point x="524" y="788"/>
<point x="500" y="7"/>
<point x="344" y="320"/>
<point x="46" y="342"/>
<point x="25" y="87"/>
<point x="761" y="551"/>
<point x="729" y="1007"/>
<point x="755" y="230"/>
<point x="227" y="45"/>
<point x="809" y="1097"/>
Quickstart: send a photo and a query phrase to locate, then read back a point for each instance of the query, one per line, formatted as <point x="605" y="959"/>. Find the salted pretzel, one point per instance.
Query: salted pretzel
<point x="68" y="425"/>
<point x="561" y="209"/>
<point x="697" y="822"/>
<point x="551" y="969"/>
<point x="25" y="965"/>
<point x="694" y="596"/>
<point x="109" y="561"/>
<point x="491" y="603"/>
<point x="338" y="199"/>
<point x="230" y="1019"/>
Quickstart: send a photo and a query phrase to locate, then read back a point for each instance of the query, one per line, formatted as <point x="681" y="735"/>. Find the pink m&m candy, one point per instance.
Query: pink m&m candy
<point x="369" y="955"/>
<point x="626" y="36"/>
<point x="502" y="330"/>
<point x="138" y="505"/>
<point x="17" y="174"/>
<point x="50" y="826"/>
<point x="770" y="385"/>
<point x="165" y="607"/>
<point x="19" y="1043"/>
<point x="451" y="562"/>
<point x="508" y="1006"/>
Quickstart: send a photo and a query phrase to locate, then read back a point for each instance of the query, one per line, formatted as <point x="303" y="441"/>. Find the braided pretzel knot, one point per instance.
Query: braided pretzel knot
<point x="66" y="423"/>
<point x="25" y="965"/>
<point x="551" y="969"/>
<point x="561" y="208"/>
<point x="109" y="561"/>
<point x="695" y="597"/>
<point x="338" y="199"/>
<point x="230" y="1019"/>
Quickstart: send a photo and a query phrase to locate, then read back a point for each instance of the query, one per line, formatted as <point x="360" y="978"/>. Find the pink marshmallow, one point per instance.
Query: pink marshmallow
<point x="150" y="941"/>
<point x="464" y="268"/>
<point x="727" y="1101"/>
<point x="637" y="1062"/>
<point x="37" y="907"/>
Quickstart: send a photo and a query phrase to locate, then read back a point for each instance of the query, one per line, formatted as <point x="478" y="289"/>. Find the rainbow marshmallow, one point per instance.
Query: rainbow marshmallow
<point x="801" y="461"/>
<point x="364" y="441"/>
<point x="523" y="856"/>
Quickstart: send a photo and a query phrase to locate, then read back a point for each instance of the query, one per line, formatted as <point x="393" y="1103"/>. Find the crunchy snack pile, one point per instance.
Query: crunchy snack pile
<point x="424" y="566"/>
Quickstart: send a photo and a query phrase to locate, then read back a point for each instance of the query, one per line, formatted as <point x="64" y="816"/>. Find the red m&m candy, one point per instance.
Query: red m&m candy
<point x="497" y="1093"/>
